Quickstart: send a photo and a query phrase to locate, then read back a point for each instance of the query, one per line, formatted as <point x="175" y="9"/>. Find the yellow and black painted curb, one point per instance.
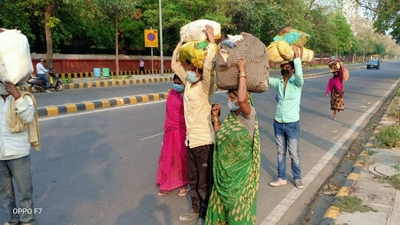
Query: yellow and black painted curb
<point x="112" y="73"/>
<point x="99" y="104"/>
<point x="111" y="83"/>
<point x="333" y="211"/>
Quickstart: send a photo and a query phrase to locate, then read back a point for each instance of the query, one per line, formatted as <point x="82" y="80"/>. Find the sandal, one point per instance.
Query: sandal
<point x="162" y="193"/>
<point x="183" y="191"/>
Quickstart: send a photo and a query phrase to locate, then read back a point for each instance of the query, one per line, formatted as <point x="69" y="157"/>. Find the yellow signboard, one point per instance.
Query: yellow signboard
<point x="150" y="38"/>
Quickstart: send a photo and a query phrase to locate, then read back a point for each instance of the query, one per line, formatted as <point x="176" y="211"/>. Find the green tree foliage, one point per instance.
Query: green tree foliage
<point x="104" y="26"/>
<point x="386" y="15"/>
<point x="343" y="33"/>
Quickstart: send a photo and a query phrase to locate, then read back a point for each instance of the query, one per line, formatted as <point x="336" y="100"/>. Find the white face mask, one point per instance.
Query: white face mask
<point x="192" y="77"/>
<point x="3" y="89"/>
<point x="232" y="106"/>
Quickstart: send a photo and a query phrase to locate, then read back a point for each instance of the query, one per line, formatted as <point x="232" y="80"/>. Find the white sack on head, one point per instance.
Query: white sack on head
<point x="195" y="31"/>
<point x="15" y="56"/>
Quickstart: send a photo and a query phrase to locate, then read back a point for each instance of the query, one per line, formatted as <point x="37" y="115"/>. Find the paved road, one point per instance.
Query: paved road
<point x="98" y="168"/>
<point x="78" y="95"/>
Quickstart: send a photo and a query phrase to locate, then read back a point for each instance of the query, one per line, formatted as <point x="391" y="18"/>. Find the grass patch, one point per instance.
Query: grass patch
<point x="394" y="180"/>
<point x="365" y="158"/>
<point x="390" y="136"/>
<point x="394" y="108"/>
<point x="370" y="152"/>
<point x="67" y="80"/>
<point x="121" y="77"/>
<point x="351" y="204"/>
<point x="396" y="167"/>
<point x="398" y="92"/>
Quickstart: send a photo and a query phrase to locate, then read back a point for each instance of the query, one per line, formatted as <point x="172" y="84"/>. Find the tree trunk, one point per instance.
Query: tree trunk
<point x="116" y="44"/>
<point x="49" y="40"/>
<point x="322" y="58"/>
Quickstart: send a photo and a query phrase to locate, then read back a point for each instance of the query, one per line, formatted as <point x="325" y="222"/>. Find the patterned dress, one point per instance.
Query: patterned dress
<point x="236" y="168"/>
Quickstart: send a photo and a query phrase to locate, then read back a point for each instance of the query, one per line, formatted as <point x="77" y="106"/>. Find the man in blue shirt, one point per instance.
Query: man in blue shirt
<point x="287" y="117"/>
<point x="41" y="73"/>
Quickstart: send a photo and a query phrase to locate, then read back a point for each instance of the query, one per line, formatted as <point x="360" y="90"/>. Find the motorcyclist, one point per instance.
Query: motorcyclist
<point x="41" y="73"/>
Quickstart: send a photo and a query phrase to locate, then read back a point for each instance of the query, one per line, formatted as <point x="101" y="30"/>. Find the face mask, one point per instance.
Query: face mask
<point x="285" y="72"/>
<point x="232" y="106"/>
<point x="3" y="89"/>
<point x="191" y="77"/>
<point x="178" y="87"/>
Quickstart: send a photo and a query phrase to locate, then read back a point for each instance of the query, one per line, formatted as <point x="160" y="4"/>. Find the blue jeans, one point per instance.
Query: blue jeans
<point x="44" y="77"/>
<point x="20" y="170"/>
<point x="287" y="139"/>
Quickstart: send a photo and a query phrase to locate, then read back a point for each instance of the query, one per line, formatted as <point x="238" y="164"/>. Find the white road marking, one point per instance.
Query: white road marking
<point x="152" y="136"/>
<point x="292" y="196"/>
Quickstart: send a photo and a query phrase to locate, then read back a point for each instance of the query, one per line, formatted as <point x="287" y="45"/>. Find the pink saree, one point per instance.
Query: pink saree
<point x="172" y="168"/>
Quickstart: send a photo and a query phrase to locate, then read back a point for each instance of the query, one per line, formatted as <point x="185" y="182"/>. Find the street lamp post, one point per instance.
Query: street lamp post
<point x="161" y="39"/>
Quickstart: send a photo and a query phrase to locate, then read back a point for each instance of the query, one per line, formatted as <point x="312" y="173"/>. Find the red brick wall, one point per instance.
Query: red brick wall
<point x="86" y="63"/>
<point x="76" y="64"/>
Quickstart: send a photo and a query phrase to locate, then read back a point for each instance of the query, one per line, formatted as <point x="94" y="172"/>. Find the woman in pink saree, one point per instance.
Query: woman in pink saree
<point x="172" y="168"/>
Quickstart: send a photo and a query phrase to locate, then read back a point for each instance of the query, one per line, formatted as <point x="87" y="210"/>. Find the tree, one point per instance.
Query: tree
<point x="343" y="33"/>
<point x="46" y="9"/>
<point x="176" y="14"/>
<point x="112" y="9"/>
<point x="386" y="16"/>
<point x="105" y="26"/>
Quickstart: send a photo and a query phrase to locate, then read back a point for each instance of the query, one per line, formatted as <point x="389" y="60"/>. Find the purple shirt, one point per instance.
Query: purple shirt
<point x="141" y="63"/>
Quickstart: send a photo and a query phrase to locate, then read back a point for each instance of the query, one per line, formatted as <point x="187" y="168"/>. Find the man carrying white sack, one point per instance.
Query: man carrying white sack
<point x="287" y="117"/>
<point x="18" y="132"/>
<point x="199" y="90"/>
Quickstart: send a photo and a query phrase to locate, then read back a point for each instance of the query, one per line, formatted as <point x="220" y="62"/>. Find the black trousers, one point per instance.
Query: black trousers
<point x="141" y="69"/>
<point x="199" y="160"/>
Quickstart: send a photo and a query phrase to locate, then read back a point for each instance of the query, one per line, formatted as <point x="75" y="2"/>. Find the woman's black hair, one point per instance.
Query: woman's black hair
<point x="234" y="92"/>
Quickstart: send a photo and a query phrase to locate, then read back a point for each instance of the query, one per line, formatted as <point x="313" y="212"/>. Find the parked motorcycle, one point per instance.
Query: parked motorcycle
<point x="37" y="84"/>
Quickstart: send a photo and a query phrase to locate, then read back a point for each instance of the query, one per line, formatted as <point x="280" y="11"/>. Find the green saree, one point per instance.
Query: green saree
<point x="236" y="169"/>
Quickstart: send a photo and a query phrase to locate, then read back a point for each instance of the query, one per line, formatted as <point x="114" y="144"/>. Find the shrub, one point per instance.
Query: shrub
<point x="67" y="80"/>
<point x="390" y="136"/>
<point x="394" y="108"/>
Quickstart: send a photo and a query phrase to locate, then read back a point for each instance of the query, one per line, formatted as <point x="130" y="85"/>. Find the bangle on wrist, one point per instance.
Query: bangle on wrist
<point x="242" y="74"/>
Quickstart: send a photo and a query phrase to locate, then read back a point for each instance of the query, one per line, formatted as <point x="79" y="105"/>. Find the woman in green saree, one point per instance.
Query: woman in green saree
<point x="236" y="160"/>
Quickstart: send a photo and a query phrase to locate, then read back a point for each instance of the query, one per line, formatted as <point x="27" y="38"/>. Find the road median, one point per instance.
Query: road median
<point x="112" y="83"/>
<point x="99" y="104"/>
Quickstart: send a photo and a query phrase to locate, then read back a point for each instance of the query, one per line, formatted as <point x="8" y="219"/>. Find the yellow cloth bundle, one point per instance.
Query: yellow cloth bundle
<point x="15" y="124"/>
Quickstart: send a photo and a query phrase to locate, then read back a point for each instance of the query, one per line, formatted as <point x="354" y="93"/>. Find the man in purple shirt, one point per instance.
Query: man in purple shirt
<point x="141" y="66"/>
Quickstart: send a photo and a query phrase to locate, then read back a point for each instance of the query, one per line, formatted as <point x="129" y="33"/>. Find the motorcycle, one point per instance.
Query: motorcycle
<point x="37" y="84"/>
